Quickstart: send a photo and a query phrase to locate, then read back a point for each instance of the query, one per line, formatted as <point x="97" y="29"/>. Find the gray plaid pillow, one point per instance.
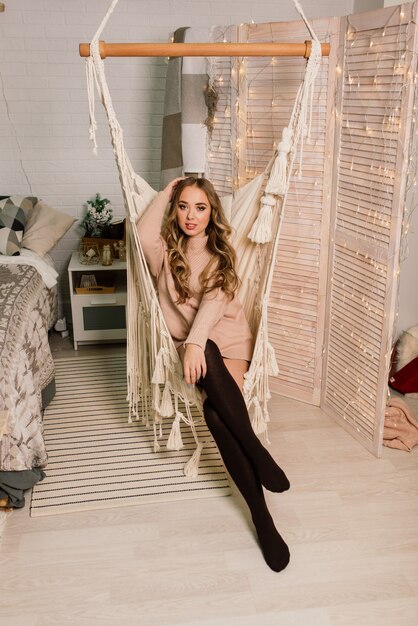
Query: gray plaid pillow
<point x="13" y="217"/>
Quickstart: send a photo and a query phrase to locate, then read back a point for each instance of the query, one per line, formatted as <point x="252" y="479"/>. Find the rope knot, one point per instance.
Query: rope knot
<point x="286" y="143"/>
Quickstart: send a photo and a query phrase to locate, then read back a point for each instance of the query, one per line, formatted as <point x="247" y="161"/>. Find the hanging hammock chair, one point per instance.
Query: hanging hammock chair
<point x="156" y="388"/>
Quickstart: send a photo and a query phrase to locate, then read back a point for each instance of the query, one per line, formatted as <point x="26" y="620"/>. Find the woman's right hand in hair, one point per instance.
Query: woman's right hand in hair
<point x="171" y="187"/>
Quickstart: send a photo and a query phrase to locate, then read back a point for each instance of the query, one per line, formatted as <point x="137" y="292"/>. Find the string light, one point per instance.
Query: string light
<point x="370" y="156"/>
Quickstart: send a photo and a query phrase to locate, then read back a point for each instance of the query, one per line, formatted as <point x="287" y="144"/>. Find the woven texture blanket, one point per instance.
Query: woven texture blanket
<point x="28" y="309"/>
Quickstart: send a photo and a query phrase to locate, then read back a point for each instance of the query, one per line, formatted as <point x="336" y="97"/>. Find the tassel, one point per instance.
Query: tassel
<point x="157" y="418"/>
<point x="266" y="421"/>
<point x="156" y="400"/>
<point x="175" y="441"/>
<point x="157" y="446"/>
<point x="158" y="377"/>
<point x="261" y="231"/>
<point x="166" y="407"/>
<point x="257" y="422"/>
<point x="191" y="469"/>
<point x="272" y="367"/>
<point x="266" y="414"/>
<point x="90" y="71"/>
<point x="277" y="182"/>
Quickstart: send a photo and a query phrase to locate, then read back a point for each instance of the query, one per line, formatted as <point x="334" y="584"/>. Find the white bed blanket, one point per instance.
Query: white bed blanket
<point x="27" y="257"/>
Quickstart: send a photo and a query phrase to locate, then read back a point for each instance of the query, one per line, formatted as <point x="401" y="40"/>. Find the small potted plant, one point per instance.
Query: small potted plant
<point x="98" y="217"/>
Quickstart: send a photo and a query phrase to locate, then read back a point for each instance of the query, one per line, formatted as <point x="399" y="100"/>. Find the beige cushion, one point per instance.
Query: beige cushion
<point x="13" y="217"/>
<point x="45" y="227"/>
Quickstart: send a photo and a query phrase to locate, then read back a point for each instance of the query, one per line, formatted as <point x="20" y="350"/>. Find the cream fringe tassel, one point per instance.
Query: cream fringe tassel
<point x="292" y="135"/>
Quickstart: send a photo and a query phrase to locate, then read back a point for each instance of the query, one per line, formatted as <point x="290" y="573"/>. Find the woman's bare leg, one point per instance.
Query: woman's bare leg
<point x="237" y="368"/>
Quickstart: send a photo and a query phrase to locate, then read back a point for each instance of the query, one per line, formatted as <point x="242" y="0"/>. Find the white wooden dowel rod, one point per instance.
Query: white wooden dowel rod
<point x="202" y="49"/>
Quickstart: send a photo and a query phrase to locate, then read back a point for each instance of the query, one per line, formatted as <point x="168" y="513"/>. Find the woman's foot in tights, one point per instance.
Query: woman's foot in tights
<point x="241" y="470"/>
<point x="275" y="550"/>
<point x="271" y="475"/>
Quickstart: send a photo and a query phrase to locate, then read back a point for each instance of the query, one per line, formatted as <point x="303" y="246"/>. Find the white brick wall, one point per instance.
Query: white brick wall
<point x="45" y="150"/>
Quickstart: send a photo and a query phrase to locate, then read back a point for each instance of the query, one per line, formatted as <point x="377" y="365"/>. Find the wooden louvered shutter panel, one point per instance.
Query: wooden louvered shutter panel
<point x="220" y="159"/>
<point x="374" y="114"/>
<point x="297" y="303"/>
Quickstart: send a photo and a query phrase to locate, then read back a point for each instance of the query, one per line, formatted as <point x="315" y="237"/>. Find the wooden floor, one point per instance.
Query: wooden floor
<point x="351" y="522"/>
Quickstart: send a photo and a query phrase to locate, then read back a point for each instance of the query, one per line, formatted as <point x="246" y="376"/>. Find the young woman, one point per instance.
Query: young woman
<point x="193" y="264"/>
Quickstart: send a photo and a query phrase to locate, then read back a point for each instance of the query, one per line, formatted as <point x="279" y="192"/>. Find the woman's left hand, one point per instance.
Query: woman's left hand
<point x="194" y="363"/>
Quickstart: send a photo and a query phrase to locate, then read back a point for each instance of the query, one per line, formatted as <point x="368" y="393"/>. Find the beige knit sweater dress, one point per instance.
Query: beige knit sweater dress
<point x="211" y="316"/>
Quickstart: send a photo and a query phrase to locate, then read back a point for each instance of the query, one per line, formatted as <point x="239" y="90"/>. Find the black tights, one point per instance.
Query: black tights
<point x="226" y="398"/>
<point x="248" y="462"/>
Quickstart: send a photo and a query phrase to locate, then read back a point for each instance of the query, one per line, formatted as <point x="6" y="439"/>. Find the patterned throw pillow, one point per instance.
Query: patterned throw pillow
<point x="13" y="216"/>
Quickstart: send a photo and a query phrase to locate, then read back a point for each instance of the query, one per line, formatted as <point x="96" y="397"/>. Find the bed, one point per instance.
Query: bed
<point x="28" y="310"/>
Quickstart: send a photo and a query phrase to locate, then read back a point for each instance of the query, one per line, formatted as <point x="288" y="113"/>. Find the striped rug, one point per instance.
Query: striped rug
<point x="96" y="459"/>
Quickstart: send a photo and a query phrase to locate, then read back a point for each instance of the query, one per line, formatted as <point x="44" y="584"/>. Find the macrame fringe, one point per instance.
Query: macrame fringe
<point x="158" y="419"/>
<point x="191" y="469"/>
<point x="156" y="400"/>
<point x="175" y="442"/>
<point x="265" y="434"/>
<point x="166" y="408"/>
<point x="277" y="183"/>
<point x="90" y="76"/>
<point x="266" y="414"/>
<point x="258" y="422"/>
<point x="159" y="374"/>
<point x="261" y="231"/>
<point x="271" y="364"/>
<point x="157" y="446"/>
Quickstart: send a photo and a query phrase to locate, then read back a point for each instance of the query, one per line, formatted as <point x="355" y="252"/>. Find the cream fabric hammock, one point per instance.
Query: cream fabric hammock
<point x="155" y="377"/>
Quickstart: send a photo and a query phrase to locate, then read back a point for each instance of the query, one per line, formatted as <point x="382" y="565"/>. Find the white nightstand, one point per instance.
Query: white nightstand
<point x="98" y="317"/>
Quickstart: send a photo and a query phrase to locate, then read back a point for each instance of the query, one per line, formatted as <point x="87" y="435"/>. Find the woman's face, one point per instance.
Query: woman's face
<point x="193" y="211"/>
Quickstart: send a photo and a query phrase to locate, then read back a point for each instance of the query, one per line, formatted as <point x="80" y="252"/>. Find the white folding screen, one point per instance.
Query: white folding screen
<point x="374" y="116"/>
<point x="333" y="299"/>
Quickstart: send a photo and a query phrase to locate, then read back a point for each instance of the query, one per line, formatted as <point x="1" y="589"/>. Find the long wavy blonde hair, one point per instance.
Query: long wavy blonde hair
<point x="220" y="272"/>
